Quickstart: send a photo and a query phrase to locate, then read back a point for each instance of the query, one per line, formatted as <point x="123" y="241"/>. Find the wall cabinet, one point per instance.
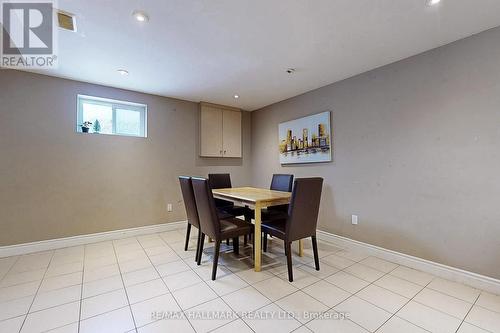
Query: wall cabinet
<point x="220" y="131"/>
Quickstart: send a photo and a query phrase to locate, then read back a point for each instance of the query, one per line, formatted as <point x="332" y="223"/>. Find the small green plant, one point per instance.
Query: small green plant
<point x="97" y="126"/>
<point x="85" y="126"/>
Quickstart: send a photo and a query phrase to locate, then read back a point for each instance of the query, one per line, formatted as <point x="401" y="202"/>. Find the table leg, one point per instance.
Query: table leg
<point x="301" y="248"/>
<point x="258" y="238"/>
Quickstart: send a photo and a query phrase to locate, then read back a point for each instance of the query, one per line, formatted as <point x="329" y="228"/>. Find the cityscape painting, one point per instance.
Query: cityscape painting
<point x="306" y="140"/>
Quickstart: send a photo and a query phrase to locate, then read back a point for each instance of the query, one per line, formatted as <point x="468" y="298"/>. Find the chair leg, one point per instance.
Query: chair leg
<point x="200" y="251"/>
<point x="264" y="242"/>
<point x="315" y="251"/>
<point x="236" y="245"/>
<point x="216" y="259"/>
<point x="245" y="240"/>
<point x="227" y="242"/>
<point x="288" y="251"/>
<point x="198" y="246"/>
<point x="188" y="231"/>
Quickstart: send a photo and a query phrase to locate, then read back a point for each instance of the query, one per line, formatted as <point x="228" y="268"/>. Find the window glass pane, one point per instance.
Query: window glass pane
<point x="108" y="116"/>
<point x="128" y="122"/>
<point x="102" y="113"/>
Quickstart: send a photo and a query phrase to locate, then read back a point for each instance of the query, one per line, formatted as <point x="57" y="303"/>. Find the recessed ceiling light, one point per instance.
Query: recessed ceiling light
<point x="123" y="72"/>
<point x="140" y="16"/>
<point x="236" y="96"/>
<point x="433" y="2"/>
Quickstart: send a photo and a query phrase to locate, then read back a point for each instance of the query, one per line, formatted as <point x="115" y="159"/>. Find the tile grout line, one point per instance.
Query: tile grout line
<point x="119" y="289"/>
<point x="274" y="275"/>
<point x="226" y="324"/>
<point x="324" y="279"/>
<point x="463" y="320"/>
<point x="354" y="294"/>
<point x="359" y="261"/>
<point x="45" y="278"/>
<point x="95" y="268"/>
<point x="294" y="292"/>
<point x="250" y="285"/>
<point x="439" y="292"/>
<point x="220" y="297"/>
<point x="452" y="296"/>
<point x="163" y="281"/>
<point x="236" y="270"/>
<point x="125" y="289"/>
<point x="441" y="311"/>
<point x="228" y="304"/>
<point x="395" y="313"/>
<point x="485" y="308"/>
<point x="38" y="289"/>
<point x="81" y="291"/>
<point x="110" y="291"/>
<point x="351" y="294"/>
<point x="10" y="268"/>
<point x="373" y="283"/>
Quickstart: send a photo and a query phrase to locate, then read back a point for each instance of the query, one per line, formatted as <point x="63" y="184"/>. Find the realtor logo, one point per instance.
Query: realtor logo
<point x="27" y="34"/>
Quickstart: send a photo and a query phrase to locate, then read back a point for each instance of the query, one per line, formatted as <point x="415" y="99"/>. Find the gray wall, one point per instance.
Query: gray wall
<point x="416" y="154"/>
<point x="55" y="182"/>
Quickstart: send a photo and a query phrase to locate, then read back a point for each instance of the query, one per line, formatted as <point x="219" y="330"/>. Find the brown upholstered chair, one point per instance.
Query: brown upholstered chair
<point x="223" y="180"/>
<point x="214" y="227"/>
<point x="191" y="211"/>
<point x="301" y="220"/>
<point x="280" y="182"/>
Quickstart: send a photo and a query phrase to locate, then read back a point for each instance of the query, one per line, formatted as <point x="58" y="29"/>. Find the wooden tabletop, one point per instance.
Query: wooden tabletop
<point x="256" y="198"/>
<point x="253" y="195"/>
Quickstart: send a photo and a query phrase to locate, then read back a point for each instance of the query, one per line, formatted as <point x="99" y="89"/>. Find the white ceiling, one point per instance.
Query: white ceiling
<point x="208" y="50"/>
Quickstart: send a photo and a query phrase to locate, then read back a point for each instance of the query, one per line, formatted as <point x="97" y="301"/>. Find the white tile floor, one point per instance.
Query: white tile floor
<point x="116" y="286"/>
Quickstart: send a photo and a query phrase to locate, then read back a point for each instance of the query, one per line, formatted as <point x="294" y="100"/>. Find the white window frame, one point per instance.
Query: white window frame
<point x="114" y="104"/>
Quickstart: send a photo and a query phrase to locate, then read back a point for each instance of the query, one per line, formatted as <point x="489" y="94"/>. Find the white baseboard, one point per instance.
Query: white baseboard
<point x="51" y="244"/>
<point x="447" y="272"/>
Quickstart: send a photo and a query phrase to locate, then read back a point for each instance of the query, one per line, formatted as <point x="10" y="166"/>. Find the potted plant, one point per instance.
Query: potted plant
<point x="86" y="126"/>
<point x="97" y="126"/>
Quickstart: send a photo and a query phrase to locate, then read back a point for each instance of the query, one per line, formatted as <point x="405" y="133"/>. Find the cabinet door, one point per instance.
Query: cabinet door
<point x="231" y="133"/>
<point x="211" y="132"/>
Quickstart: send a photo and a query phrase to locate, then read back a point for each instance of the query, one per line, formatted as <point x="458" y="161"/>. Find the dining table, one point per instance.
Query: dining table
<point x="256" y="199"/>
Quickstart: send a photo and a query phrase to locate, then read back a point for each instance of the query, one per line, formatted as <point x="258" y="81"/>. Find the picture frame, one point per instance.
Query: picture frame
<point x="306" y="140"/>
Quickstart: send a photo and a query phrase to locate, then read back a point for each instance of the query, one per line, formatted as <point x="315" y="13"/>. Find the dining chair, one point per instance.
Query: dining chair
<point x="223" y="180"/>
<point x="282" y="182"/>
<point x="214" y="227"/>
<point x="279" y="182"/>
<point x="191" y="210"/>
<point x="301" y="220"/>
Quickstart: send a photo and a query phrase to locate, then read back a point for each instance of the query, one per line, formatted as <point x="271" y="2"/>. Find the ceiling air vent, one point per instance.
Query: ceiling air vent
<point x="66" y="21"/>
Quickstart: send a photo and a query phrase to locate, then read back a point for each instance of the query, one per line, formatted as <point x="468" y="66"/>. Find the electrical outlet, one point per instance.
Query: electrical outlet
<point x="169" y="207"/>
<point x="354" y="219"/>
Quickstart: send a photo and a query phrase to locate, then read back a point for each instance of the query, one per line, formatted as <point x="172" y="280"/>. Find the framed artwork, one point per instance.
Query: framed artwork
<point x="306" y="140"/>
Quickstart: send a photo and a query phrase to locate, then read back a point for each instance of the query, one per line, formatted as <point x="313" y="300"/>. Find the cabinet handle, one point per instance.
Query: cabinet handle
<point x="224" y="152"/>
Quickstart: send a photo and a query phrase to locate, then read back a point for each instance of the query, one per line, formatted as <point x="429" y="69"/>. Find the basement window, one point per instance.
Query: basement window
<point x="98" y="115"/>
